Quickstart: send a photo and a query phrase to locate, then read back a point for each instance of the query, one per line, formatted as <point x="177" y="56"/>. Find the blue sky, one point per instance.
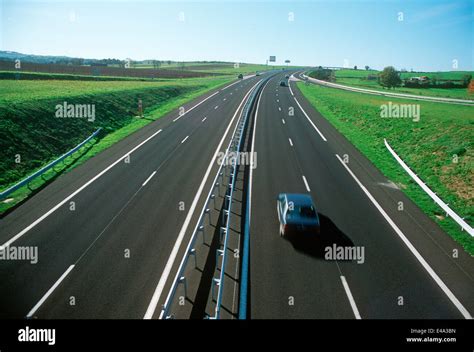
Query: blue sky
<point x="418" y="34"/>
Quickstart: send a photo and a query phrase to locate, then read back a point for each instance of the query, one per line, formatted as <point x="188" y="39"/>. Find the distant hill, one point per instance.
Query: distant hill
<point x="51" y="59"/>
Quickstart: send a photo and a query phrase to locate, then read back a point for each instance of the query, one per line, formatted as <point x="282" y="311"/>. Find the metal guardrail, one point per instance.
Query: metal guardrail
<point x="443" y="205"/>
<point x="245" y="264"/>
<point x="47" y="167"/>
<point x="234" y="146"/>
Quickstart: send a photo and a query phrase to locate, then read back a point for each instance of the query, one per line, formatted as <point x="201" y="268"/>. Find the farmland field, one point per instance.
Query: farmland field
<point x="358" y="78"/>
<point x="427" y="146"/>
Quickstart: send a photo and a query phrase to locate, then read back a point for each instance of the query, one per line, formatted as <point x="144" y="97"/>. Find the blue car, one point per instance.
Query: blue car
<point x="297" y="214"/>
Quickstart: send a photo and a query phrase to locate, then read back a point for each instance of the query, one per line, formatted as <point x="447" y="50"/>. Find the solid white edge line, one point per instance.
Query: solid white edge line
<point x="195" y="106"/>
<point x="291" y="91"/>
<point x="351" y="299"/>
<point x="184" y="140"/>
<point x="310" y="121"/>
<point x="291" y="142"/>
<point x="50" y="291"/>
<point x="253" y="149"/>
<point x="412" y="249"/>
<point x="57" y="206"/>
<point x="149" y="178"/>
<point x="174" y="252"/>
<point x="306" y="184"/>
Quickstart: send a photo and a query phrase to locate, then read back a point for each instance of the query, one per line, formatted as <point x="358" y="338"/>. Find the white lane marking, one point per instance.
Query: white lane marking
<point x="216" y="107"/>
<point x="50" y="291"/>
<point x="57" y="206"/>
<point x="311" y="122"/>
<point x="252" y="155"/>
<point x="224" y="99"/>
<point x="204" y="119"/>
<point x="412" y="249"/>
<point x="291" y="142"/>
<point x="351" y="299"/>
<point x="174" y="252"/>
<point x="279" y="108"/>
<point x="252" y="151"/>
<point x="306" y="184"/>
<point x="283" y="120"/>
<point x="277" y="94"/>
<point x="195" y="106"/>
<point x="230" y="85"/>
<point x="230" y="93"/>
<point x="184" y="140"/>
<point x="149" y="178"/>
<point x="289" y="86"/>
<point x="278" y="100"/>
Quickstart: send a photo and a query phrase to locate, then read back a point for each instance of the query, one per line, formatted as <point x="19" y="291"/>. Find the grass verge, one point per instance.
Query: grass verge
<point x="161" y="100"/>
<point x="427" y="146"/>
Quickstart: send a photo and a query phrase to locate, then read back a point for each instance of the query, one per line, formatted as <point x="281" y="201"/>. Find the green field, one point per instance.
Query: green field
<point x="12" y="75"/>
<point x="14" y="91"/>
<point x="218" y="67"/>
<point x="28" y="119"/>
<point x="426" y="146"/>
<point x="358" y="78"/>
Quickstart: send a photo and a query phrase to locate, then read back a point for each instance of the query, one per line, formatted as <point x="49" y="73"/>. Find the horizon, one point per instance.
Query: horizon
<point x="412" y="36"/>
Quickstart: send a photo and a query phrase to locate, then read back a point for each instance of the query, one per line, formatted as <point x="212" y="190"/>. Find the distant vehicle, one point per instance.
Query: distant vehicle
<point x="287" y="76"/>
<point x="257" y="73"/>
<point x="240" y="76"/>
<point x="283" y="83"/>
<point x="297" y="214"/>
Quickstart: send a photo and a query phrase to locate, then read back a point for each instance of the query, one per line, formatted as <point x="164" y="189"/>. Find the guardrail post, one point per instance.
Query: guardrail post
<point x="215" y="282"/>
<point x="201" y="229"/>
<point x="221" y="233"/>
<point x="193" y="253"/>
<point x="182" y="280"/>
<point x="213" y="197"/>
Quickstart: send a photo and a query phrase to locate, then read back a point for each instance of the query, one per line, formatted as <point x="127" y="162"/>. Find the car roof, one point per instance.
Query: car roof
<point x="299" y="199"/>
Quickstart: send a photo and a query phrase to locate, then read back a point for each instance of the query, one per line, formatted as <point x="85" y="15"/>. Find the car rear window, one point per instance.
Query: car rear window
<point x="304" y="211"/>
<point x="308" y="212"/>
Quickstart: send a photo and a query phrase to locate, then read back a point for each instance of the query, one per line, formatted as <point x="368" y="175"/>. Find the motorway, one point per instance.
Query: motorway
<point x="104" y="256"/>
<point x="292" y="279"/>
<point x="113" y="252"/>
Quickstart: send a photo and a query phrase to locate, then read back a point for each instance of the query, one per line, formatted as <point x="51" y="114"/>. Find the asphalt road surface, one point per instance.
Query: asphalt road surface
<point x="112" y="232"/>
<point x="105" y="258"/>
<point x="407" y="272"/>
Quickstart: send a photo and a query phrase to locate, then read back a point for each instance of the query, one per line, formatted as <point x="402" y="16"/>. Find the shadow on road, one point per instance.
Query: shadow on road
<point x="314" y="244"/>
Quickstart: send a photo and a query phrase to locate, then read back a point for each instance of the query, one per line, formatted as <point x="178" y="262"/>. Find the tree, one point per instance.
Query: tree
<point x="389" y="78"/>
<point x="466" y="79"/>
<point x="367" y="67"/>
<point x="355" y="67"/>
